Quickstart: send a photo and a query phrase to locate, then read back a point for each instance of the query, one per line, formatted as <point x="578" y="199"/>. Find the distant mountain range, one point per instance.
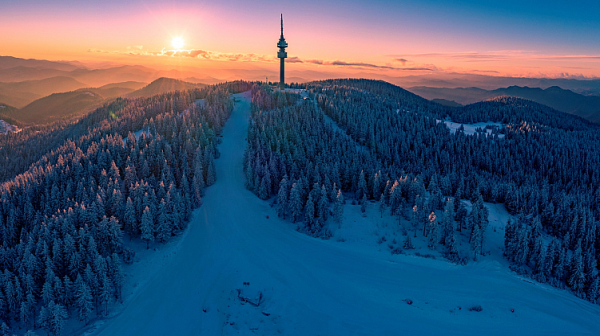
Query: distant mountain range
<point x="19" y="94"/>
<point x="65" y="105"/>
<point x="567" y="101"/>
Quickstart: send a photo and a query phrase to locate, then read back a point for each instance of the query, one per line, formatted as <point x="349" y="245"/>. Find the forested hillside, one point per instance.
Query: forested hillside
<point x="388" y="145"/>
<point x="64" y="218"/>
<point x="586" y="106"/>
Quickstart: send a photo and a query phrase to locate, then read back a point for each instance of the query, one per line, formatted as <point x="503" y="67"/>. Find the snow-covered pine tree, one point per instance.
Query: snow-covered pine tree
<point x="475" y="240"/>
<point x="147" y="227"/>
<point x="381" y="205"/>
<point x="576" y="279"/>
<point x="432" y="231"/>
<point x="309" y="214"/>
<point x="295" y="201"/>
<point x="363" y="203"/>
<point x="83" y="300"/>
<point x="131" y="225"/>
<point x="282" y="198"/>
<point x="447" y="220"/>
<point x="162" y="227"/>
<point x="408" y="245"/>
<point x="323" y="205"/>
<point x="338" y="207"/>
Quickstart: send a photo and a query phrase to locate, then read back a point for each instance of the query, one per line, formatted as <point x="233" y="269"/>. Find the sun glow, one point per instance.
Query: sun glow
<point x="177" y="42"/>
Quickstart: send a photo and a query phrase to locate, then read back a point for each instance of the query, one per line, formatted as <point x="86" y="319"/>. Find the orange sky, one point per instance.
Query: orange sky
<point x="411" y="39"/>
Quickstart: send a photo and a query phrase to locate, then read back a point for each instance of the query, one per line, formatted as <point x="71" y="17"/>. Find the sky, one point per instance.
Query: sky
<point x="500" y="38"/>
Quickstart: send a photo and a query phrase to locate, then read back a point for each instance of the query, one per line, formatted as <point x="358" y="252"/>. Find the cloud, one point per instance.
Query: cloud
<point x="294" y="60"/>
<point x="197" y="53"/>
<point x="250" y="57"/>
<point x="361" y="64"/>
<point x="572" y="57"/>
<point x="485" y="71"/>
<point x="499" y="55"/>
<point x="401" y="60"/>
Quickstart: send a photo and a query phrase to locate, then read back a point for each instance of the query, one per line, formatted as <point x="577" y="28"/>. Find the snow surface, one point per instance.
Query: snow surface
<point x="6" y="127"/>
<point x="471" y="129"/>
<point x="232" y="258"/>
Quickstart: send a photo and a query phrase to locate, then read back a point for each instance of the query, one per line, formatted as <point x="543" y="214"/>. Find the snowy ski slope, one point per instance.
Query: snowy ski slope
<point x="315" y="287"/>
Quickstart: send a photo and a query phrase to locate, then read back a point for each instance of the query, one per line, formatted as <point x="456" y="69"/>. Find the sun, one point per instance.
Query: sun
<point x="177" y="42"/>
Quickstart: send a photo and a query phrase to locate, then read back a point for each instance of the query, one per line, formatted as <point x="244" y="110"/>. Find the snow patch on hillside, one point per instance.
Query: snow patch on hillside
<point x="5" y="127"/>
<point x="470" y="129"/>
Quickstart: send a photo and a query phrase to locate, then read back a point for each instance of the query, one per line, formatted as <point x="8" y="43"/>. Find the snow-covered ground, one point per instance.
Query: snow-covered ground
<point x="6" y="127"/>
<point x="235" y="271"/>
<point x="302" y="92"/>
<point x="470" y="129"/>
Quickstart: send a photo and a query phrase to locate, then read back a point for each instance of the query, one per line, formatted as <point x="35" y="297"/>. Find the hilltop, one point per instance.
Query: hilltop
<point x="164" y="85"/>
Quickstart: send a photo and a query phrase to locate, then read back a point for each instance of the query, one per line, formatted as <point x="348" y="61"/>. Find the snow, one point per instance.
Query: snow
<point x="471" y="129"/>
<point x="5" y="127"/>
<point x="302" y="92"/>
<point x="321" y="287"/>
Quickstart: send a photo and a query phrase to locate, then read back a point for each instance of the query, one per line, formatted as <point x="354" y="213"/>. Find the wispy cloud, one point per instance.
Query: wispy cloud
<point x="361" y="65"/>
<point x="241" y="57"/>
<point x="499" y="55"/>
<point x="401" y="60"/>
<point x="294" y="60"/>
<point x="367" y="65"/>
<point x="572" y="57"/>
<point x="485" y="71"/>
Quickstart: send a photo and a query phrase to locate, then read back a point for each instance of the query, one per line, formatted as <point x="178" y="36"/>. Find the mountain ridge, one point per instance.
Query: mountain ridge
<point x="560" y="99"/>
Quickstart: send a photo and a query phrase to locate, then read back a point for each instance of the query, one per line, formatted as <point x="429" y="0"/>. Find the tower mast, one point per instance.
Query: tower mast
<point x="282" y="55"/>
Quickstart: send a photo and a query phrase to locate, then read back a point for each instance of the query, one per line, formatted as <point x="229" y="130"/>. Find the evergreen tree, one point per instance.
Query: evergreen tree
<point x="147" y="227"/>
<point x="576" y="280"/>
<point x="475" y="240"/>
<point x="295" y="202"/>
<point x="83" y="300"/>
<point x="432" y="231"/>
<point x="381" y="205"/>
<point x="309" y="214"/>
<point x="363" y="204"/>
<point x="408" y="245"/>
<point x="131" y="225"/>
<point x="282" y="198"/>
<point x="323" y="205"/>
<point x="338" y="207"/>
<point x="106" y="292"/>
<point x="163" y="227"/>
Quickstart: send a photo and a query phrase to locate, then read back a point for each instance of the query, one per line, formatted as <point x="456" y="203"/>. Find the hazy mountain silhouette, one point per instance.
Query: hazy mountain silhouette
<point x="562" y="100"/>
<point x="163" y="85"/>
<point x="59" y="106"/>
<point x="6" y="111"/>
<point x="7" y="62"/>
<point x="19" y="94"/>
<point x="445" y="102"/>
<point x="71" y="104"/>
<point x="127" y="85"/>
